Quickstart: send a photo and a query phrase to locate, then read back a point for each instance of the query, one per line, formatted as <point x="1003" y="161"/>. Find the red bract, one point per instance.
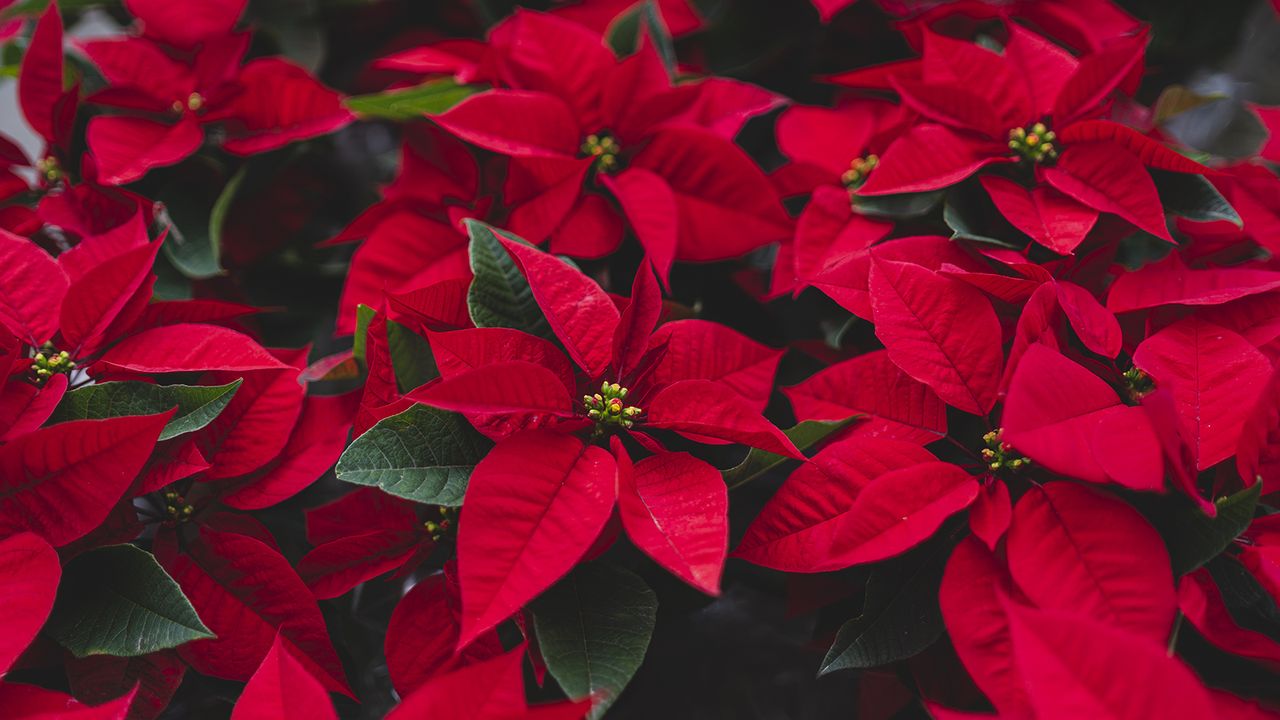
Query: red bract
<point x="583" y="128"/>
<point x="174" y="95"/>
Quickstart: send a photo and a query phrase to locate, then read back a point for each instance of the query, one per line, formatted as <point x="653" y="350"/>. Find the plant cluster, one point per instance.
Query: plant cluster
<point x="972" y="366"/>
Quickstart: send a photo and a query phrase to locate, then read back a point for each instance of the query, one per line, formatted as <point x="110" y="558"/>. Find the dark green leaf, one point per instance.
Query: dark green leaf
<point x="423" y="454"/>
<point x="623" y="34"/>
<point x="1249" y="604"/>
<point x="1194" y="198"/>
<point x="499" y="295"/>
<point x="410" y="356"/>
<point x="117" y="600"/>
<point x="1193" y="537"/>
<point x="958" y="214"/>
<point x="194" y="243"/>
<point x="593" y="628"/>
<point x="804" y="435"/>
<point x="364" y="316"/>
<point x="908" y="205"/>
<point x="197" y="405"/>
<point x="900" y="615"/>
<point x="429" y="98"/>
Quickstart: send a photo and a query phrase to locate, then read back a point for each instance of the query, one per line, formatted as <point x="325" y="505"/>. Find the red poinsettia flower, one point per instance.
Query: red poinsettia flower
<point x="1037" y="106"/>
<point x="593" y="139"/>
<point x="546" y="486"/>
<point x="173" y="95"/>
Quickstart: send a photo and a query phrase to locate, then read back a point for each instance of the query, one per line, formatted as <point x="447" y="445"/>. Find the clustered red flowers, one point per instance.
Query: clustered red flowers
<point x="1030" y="471"/>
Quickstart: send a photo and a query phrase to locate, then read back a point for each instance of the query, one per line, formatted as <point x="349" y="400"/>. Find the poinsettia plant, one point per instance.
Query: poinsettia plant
<point x="638" y="358"/>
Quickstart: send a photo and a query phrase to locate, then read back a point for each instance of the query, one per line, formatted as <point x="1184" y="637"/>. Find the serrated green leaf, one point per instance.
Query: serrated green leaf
<point x="900" y="615"/>
<point x="197" y="405"/>
<point x="117" y="600"/>
<point x="1193" y="197"/>
<point x="593" y="629"/>
<point x="499" y="295"/>
<point x="1248" y="603"/>
<point x="1192" y="537"/>
<point x="423" y="454"/>
<point x="907" y="205"/>
<point x="803" y="435"/>
<point x="429" y="98"/>
<point x="410" y="356"/>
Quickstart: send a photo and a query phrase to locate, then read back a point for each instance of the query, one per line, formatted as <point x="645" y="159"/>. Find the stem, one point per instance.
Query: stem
<point x="1173" y="635"/>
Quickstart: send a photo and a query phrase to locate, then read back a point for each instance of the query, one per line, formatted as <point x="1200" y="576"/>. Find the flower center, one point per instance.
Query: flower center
<point x="1034" y="143"/>
<point x="859" y="169"/>
<point x="608" y="410"/>
<point x="445" y="525"/>
<point x="194" y="103"/>
<point x="49" y="169"/>
<point x="604" y="149"/>
<point x="1137" y="384"/>
<point x="999" y="456"/>
<point x="176" y="507"/>
<point x="49" y="362"/>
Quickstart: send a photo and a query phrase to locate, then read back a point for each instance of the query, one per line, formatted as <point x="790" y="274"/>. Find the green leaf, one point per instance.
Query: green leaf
<point x="1193" y="197"/>
<point x="1194" y="538"/>
<point x="197" y="405"/>
<point x="423" y="454"/>
<point x="593" y="629"/>
<point x="623" y="34"/>
<point x="957" y="213"/>
<point x="410" y="357"/>
<point x="907" y="205"/>
<point x="364" y="316"/>
<point x="194" y="244"/>
<point x="499" y="295"/>
<point x="117" y="600"/>
<point x="429" y="98"/>
<point x="1248" y="603"/>
<point x="1177" y="99"/>
<point x="803" y="435"/>
<point x="900" y="614"/>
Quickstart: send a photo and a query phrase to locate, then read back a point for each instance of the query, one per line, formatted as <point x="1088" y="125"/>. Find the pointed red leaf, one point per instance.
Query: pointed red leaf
<point x="703" y="408"/>
<point x="29" y="574"/>
<point x="650" y="207"/>
<point x="189" y="347"/>
<point x="96" y="299"/>
<point x="1096" y="77"/>
<point x="314" y="446"/>
<point x="62" y="481"/>
<point x="247" y="594"/>
<point x="1067" y="419"/>
<point x="283" y="687"/>
<point x="423" y="635"/>
<point x="899" y="510"/>
<point x="31" y="702"/>
<point x="125" y="148"/>
<point x="515" y="122"/>
<point x="279" y="103"/>
<point x="991" y="513"/>
<point x="940" y="331"/>
<point x="892" y="404"/>
<point x="1201" y="603"/>
<point x="1075" y="549"/>
<point x="337" y="566"/>
<point x="797" y="528"/>
<point x="1258" y="455"/>
<point x="929" y="157"/>
<point x="1112" y="180"/>
<point x="702" y="350"/>
<point x="578" y="310"/>
<point x="1052" y="219"/>
<point x="31" y="289"/>
<point x="255" y="426"/>
<point x="1149" y="151"/>
<point x="631" y="338"/>
<point x="40" y="78"/>
<point x="1076" y="667"/>
<point x="1214" y="375"/>
<point x="970" y="599"/>
<point x="675" y="508"/>
<point x="1096" y="327"/>
<point x="489" y="690"/>
<point x="513" y="386"/>
<point x="164" y="22"/>
<point x="534" y="505"/>
<point x="25" y="407"/>
<point x="1171" y="282"/>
